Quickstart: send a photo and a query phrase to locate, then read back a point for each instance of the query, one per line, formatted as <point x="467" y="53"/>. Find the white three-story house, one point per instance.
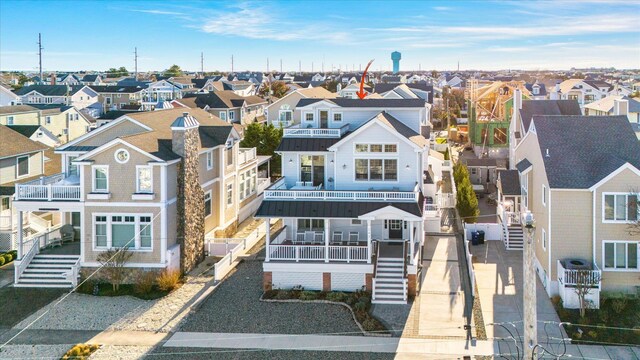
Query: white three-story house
<point x="351" y="198"/>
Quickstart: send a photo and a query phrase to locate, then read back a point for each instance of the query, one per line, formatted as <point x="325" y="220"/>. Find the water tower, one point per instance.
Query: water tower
<point x="395" y="57"/>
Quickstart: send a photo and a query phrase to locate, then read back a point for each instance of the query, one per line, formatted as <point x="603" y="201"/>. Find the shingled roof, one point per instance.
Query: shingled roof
<point x="509" y="181"/>
<point x="332" y="209"/>
<point x="368" y="103"/>
<point x="50" y="90"/>
<point x="547" y="107"/>
<point x="597" y="146"/>
<point x="15" y="143"/>
<point x="225" y="99"/>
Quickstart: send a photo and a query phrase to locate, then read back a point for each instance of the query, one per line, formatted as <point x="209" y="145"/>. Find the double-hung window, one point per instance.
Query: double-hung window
<point x="100" y="179"/>
<point x="145" y="232"/>
<point x="223" y="115"/>
<point x="310" y="224"/>
<point x="620" y="207"/>
<point x="285" y="115"/>
<point x="376" y="169"/>
<point x="621" y="255"/>
<point x="337" y="117"/>
<point x="22" y="166"/>
<point x="232" y="115"/>
<point x="101" y="231"/>
<point x="144" y="179"/>
<point x="10" y="120"/>
<point x="229" y="194"/>
<point x="207" y="204"/>
<point x="209" y="160"/>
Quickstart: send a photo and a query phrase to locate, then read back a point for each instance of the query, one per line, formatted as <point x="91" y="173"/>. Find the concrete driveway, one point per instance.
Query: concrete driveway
<point x="499" y="281"/>
<point x="6" y="275"/>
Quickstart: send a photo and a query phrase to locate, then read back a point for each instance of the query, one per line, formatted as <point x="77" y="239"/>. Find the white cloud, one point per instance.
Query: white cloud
<point x="442" y="8"/>
<point x="160" y="12"/>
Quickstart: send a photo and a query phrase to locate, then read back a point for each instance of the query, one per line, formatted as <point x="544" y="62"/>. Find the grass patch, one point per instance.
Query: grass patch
<point x="104" y="289"/>
<point x="359" y="302"/>
<point x="18" y="303"/>
<point x="617" y="321"/>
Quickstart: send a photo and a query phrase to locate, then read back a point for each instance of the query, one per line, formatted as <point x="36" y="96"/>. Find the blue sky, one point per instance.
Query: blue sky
<point x="431" y="35"/>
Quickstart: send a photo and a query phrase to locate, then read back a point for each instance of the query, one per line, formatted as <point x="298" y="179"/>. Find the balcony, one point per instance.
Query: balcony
<point x="50" y="188"/>
<point x="246" y="155"/>
<point x="297" y="131"/>
<point x="311" y="246"/>
<point x="279" y="191"/>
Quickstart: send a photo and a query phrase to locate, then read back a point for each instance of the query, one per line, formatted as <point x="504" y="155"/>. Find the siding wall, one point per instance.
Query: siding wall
<point x="8" y="167"/>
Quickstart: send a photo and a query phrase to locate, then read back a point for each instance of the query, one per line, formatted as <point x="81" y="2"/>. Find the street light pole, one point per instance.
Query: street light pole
<point x="529" y="289"/>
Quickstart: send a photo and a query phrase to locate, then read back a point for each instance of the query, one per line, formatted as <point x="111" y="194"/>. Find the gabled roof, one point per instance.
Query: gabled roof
<point x="598" y="145"/>
<point x="51" y="90"/>
<point x="225" y="99"/>
<point x="606" y="104"/>
<point x="542" y="88"/>
<point x="14" y="143"/>
<point x="367" y="102"/>
<point x="547" y="107"/>
<point x="29" y="130"/>
<point x="523" y="165"/>
<point x="90" y="78"/>
<point x="330" y="209"/>
<point x="509" y="182"/>
<point x="15" y="109"/>
<point x="116" y="89"/>
<point x="400" y="128"/>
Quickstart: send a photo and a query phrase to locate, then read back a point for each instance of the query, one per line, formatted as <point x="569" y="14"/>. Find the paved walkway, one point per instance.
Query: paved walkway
<point x="283" y="342"/>
<point x="6" y="275"/>
<point x="438" y="310"/>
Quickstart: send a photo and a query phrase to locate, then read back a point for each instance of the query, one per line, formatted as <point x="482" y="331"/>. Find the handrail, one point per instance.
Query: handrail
<point x="21" y="264"/>
<point x="273" y="193"/>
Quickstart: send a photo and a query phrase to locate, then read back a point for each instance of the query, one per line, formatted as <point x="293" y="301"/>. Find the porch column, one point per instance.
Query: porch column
<point x="267" y="229"/>
<point x="19" y="231"/>
<point x="411" y="242"/>
<point x="327" y="229"/>
<point x="369" y="241"/>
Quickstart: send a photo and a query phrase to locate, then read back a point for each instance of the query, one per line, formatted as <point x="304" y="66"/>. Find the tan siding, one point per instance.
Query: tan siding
<point x="624" y="182"/>
<point x="122" y="177"/>
<point x="292" y="101"/>
<point x="172" y="227"/>
<point x="230" y="210"/>
<point x="212" y="222"/>
<point x="208" y="175"/>
<point x="172" y="181"/>
<point x="138" y="257"/>
<point x="103" y="136"/>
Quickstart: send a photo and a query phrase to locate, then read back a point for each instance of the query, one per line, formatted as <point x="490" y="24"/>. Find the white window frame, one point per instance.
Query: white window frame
<point x="544" y="195"/>
<point x="93" y="179"/>
<point x="47" y="120"/>
<point x="109" y="222"/>
<point x="615" y="199"/>
<point x="304" y="116"/>
<point x="138" y="168"/>
<point x="368" y="179"/>
<point x="223" y="115"/>
<point x="341" y="117"/>
<point x="18" y="166"/>
<point x="232" y="115"/>
<point x="209" y="159"/>
<point x="544" y="240"/>
<point x="210" y="196"/>
<point x="614" y="268"/>
<point x="281" y="112"/>
<point x="229" y="195"/>
<point x="10" y="120"/>
<point x="368" y="145"/>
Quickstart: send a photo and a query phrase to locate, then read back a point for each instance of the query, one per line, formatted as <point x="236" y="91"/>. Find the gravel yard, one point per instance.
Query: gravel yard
<point x="235" y="354"/>
<point x="43" y="352"/>
<point x="235" y="307"/>
<point x="18" y="303"/>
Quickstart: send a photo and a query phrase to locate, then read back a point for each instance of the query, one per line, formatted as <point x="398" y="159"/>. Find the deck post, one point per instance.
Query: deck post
<point x="327" y="231"/>
<point x="267" y="233"/>
<point x="19" y="233"/>
<point x="411" y="242"/>
<point x="368" y="241"/>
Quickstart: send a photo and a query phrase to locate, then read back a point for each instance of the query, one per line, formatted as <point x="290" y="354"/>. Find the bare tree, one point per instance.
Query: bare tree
<point x="586" y="281"/>
<point x="113" y="265"/>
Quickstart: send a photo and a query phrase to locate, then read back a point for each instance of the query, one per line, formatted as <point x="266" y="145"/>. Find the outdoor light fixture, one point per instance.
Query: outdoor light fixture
<point x="290" y="161"/>
<point x="332" y="161"/>
<point x="407" y="167"/>
<point x="344" y="166"/>
<point x="529" y="224"/>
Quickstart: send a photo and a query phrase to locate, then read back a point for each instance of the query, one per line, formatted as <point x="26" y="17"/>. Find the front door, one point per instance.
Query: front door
<point x="324" y="119"/>
<point x="395" y="229"/>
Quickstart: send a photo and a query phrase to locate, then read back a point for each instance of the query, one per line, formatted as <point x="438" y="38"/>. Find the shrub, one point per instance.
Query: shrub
<point x="618" y="305"/>
<point x="308" y="295"/>
<point x="336" y="296"/>
<point x="1" y="260"/>
<point x="283" y="295"/>
<point x="360" y="306"/>
<point x="168" y="280"/>
<point x="365" y="299"/>
<point x="369" y="325"/>
<point x="9" y="257"/>
<point x="270" y="294"/>
<point x="80" y="352"/>
<point x="144" y="283"/>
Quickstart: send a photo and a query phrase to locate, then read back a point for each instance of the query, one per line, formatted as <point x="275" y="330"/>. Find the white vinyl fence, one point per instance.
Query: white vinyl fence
<point x="232" y="248"/>
<point x="469" y="257"/>
<point x="491" y="231"/>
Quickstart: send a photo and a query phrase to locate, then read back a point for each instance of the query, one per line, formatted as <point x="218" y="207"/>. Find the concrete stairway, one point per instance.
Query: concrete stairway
<point x="388" y="287"/>
<point x="48" y="271"/>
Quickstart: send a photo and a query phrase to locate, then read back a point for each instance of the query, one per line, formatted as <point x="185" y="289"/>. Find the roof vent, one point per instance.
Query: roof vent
<point x="547" y="153"/>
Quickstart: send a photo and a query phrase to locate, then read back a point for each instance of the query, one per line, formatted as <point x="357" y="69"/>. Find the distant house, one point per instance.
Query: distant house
<point x="8" y="97"/>
<point x="64" y="122"/>
<point x="405" y="91"/>
<point x="584" y="91"/>
<point x="281" y="112"/>
<point x="537" y="90"/>
<point x="37" y="133"/>
<point x="91" y="79"/>
<point x="351" y="91"/>
<point x="617" y="105"/>
<point x="453" y="81"/>
<point x="116" y="97"/>
<point x="228" y="106"/>
<point x="81" y="97"/>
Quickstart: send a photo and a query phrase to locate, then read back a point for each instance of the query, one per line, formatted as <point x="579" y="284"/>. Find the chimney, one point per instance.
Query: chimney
<point x="555" y="94"/>
<point x="517" y="99"/>
<point x="185" y="141"/>
<point x="338" y="87"/>
<point x="620" y="107"/>
<point x="53" y="79"/>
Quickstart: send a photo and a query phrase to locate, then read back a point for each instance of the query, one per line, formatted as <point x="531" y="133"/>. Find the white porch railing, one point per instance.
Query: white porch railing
<point x="283" y="194"/>
<point x="282" y="123"/>
<point x="315" y="132"/>
<point x="573" y="277"/>
<point x="446" y="200"/>
<point x="72" y="274"/>
<point x="263" y="183"/>
<point x="246" y="154"/>
<point x="348" y="253"/>
<point x="47" y="188"/>
<point x="296" y="252"/>
<point x="21" y="264"/>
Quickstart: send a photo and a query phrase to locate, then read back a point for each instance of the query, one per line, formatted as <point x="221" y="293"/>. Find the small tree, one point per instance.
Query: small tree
<point x="174" y="70"/>
<point x="586" y="281"/>
<point x="466" y="201"/>
<point x="447" y="156"/>
<point x="113" y="263"/>
<point x="460" y="172"/>
<point x="266" y="139"/>
<point x="277" y="89"/>
<point x="331" y="85"/>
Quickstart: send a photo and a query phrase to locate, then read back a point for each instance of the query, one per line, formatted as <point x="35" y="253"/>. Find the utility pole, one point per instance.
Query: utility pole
<point x="135" y="62"/>
<point x="312" y="66"/>
<point x="40" y="56"/>
<point x="202" y="63"/>
<point x="280" y="65"/>
<point x="300" y="66"/>
<point x="267" y="65"/>
<point x="231" y="63"/>
<point x="529" y="289"/>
